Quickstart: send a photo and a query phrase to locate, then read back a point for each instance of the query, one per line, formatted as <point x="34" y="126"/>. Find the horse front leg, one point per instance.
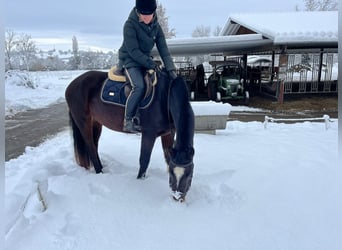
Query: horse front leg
<point x="147" y="143"/>
<point x="167" y="143"/>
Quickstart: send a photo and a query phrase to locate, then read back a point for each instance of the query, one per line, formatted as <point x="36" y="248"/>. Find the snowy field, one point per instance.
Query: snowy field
<point x="253" y="188"/>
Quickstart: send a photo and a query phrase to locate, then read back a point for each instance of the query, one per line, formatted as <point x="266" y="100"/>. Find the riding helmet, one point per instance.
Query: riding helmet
<point x="146" y="7"/>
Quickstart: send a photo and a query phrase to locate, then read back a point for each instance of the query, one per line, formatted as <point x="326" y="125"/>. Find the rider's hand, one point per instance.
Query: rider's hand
<point x="150" y="71"/>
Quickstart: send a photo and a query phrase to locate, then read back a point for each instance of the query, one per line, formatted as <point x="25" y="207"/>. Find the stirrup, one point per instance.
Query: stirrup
<point x="130" y="127"/>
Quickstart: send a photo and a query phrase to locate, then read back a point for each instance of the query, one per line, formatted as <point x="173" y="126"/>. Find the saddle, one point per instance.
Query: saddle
<point x="117" y="87"/>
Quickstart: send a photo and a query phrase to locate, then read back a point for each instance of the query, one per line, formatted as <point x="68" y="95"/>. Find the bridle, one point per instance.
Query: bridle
<point x="181" y="165"/>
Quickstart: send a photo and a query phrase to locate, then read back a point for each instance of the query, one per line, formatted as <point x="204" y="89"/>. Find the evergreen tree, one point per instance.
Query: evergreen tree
<point x="76" y="60"/>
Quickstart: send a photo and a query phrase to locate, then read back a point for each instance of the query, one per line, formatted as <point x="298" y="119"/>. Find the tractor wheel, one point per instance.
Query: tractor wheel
<point x="218" y="96"/>
<point x="192" y="95"/>
<point x="246" y="98"/>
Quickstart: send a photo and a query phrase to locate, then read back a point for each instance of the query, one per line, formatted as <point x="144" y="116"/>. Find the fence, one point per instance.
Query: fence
<point x="325" y="118"/>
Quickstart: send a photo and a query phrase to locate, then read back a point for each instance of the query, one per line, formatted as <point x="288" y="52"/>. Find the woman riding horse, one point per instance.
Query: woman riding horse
<point x="168" y="113"/>
<point x="141" y="31"/>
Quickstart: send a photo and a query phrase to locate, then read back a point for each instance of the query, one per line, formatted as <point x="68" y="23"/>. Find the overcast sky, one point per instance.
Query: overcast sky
<point x="99" y="23"/>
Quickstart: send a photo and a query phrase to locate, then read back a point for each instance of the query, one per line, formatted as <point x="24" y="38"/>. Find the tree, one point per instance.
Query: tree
<point x="217" y="31"/>
<point x="201" y="31"/>
<point x="76" y="60"/>
<point x="320" y="5"/>
<point x="26" y="49"/>
<point x="164" y="21"/>
<point x="10" y="43"/>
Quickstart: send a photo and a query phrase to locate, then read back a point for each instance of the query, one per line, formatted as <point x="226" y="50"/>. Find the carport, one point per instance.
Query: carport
<point x="302" y="46"/>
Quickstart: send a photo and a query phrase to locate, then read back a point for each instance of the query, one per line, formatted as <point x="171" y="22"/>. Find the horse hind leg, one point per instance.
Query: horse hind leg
<point x="97" y="129"/>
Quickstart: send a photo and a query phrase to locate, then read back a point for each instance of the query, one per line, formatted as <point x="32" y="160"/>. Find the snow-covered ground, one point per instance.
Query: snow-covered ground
<point x="48" y="88"/>
<point x="253" y="188"/>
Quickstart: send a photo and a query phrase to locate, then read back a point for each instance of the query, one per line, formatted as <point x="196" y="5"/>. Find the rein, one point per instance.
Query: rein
<point x="181" y="165"/>
<point x="168" y="105"/>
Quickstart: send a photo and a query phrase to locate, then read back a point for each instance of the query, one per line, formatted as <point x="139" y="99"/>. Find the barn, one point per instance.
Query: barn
<point x="284" y="53"/>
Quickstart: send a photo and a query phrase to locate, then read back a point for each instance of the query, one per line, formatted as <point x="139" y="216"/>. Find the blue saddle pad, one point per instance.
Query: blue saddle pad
<point x="114" y="92"/>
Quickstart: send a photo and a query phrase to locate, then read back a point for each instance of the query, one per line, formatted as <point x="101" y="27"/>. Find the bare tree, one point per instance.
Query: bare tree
<point x="320" y="5"/>
<point x="10" y="43"/>
<point x="310" y="5"/>
<point x="164" y="21"/>
<point x="201" y="31"/>
<point x="26" y="49"/>
<point x="217" y="31"/>
<point x="328" y="5"/>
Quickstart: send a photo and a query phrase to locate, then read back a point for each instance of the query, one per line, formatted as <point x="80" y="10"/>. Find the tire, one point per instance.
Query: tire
<point x="192" y="95"/>
<point x="218" y="96"/>
<point x="246" y="98"/>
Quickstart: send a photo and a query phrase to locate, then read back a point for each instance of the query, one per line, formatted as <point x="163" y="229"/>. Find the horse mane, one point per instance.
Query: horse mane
<point x="184" y="121"/>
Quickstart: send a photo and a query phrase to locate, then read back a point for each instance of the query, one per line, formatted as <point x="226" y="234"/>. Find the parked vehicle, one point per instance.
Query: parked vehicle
<point x="226" y="83"/>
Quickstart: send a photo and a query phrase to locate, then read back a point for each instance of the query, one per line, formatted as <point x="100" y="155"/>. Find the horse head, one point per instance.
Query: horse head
<point x="181" y="169"/>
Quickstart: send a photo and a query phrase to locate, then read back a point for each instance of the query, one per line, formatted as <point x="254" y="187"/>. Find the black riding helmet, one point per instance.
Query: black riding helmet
<point x="146" y="7"/>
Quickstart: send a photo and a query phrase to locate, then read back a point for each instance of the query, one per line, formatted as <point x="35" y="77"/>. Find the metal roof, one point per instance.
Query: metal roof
<point x="218" y="44"/>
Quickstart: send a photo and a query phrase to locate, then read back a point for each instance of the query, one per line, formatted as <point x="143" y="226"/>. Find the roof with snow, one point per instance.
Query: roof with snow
<point x="265" y="32"/>
<point x="288" y="28"/>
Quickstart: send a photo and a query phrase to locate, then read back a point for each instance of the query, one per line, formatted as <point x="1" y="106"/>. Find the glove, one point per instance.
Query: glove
<point x="172" y="74"/>
<point x="150" y="77"/>
<point x="150" y="71"/>
<point x="151" y="65"/>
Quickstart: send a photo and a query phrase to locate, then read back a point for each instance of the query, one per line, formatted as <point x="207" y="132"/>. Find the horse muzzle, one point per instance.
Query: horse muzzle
<point x="178" y="196"/>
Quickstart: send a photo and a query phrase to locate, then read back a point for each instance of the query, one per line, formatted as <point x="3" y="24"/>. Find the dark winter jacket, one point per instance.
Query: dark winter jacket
<point x="139" y="39"/>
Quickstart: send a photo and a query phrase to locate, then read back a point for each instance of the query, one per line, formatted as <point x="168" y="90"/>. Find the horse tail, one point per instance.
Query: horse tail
<point x="80" y="150"/>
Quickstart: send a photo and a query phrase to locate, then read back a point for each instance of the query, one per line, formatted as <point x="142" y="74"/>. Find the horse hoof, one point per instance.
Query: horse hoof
<point x="141" y="176"/>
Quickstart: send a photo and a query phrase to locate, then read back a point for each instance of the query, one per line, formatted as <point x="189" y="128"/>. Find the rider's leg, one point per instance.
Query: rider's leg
<point x="135" y="75"/>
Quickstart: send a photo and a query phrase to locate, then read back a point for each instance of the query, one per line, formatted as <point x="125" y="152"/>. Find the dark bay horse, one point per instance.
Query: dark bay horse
<point x="168" y="115"/>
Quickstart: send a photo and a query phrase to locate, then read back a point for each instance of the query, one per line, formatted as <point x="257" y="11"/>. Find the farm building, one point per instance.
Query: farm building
<point x="280" y="53"/>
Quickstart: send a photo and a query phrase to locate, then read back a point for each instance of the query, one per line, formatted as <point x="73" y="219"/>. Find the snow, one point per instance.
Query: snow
<point x="211" y="108"/>
<point x="49" y="87"/>
<point x="253" y="188"/>
<point x="284" y="27"/>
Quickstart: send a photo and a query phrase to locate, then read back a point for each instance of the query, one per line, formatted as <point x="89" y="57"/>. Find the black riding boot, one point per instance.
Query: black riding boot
<point x="129" y="126"/>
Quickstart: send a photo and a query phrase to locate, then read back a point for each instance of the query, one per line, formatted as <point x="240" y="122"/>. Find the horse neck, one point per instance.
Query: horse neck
<point x="182" y="115"/>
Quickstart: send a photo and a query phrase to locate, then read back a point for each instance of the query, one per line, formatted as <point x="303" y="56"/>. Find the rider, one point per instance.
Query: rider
<point x="141" y="32"/>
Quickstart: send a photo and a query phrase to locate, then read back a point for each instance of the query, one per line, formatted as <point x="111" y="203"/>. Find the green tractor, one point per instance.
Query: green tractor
<point x="226" y="83"/>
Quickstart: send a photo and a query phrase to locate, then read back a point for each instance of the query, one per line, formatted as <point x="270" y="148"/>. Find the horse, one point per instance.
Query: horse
<point x="168" y="115"/>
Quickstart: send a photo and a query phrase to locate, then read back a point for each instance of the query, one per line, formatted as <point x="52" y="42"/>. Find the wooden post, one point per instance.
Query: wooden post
<point x="282" y="75"/>
<point x="281" y="92"/>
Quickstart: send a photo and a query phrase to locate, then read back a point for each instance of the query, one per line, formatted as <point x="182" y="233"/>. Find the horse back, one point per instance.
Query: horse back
<point x="82" y="87"/>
